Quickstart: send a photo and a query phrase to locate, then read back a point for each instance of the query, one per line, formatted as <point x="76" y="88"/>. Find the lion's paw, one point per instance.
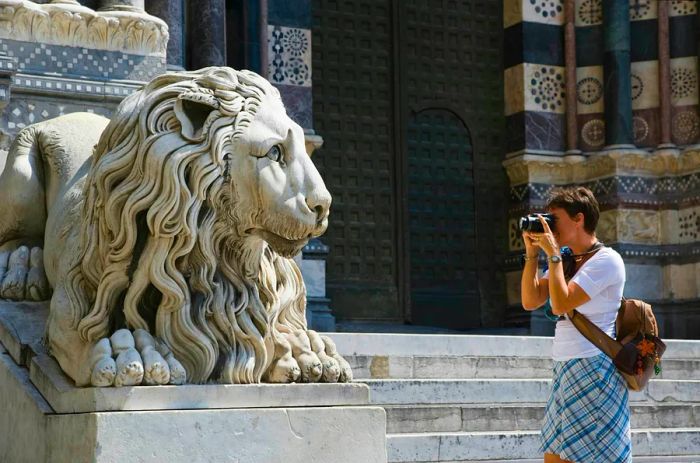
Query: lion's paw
<point x="126" y="359"/>
<point x="22" y="275"/>
<point x="345" y="369"/>
<point x="331" y="368"/>
<point x="309" y="363"/>
<point x="284" y="368"/>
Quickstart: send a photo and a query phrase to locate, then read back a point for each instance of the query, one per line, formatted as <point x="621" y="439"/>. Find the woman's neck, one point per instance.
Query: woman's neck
<point x="584" y="244"/>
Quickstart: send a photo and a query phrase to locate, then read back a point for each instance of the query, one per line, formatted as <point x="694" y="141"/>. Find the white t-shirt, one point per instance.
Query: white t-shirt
<point x="602" y="278"/>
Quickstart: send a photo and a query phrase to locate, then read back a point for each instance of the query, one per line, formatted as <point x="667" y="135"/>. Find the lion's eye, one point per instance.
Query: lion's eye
<point x="275" y="153"/>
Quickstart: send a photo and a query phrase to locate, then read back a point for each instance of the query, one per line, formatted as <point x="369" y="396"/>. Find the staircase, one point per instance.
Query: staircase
<point x="452" y="398"/>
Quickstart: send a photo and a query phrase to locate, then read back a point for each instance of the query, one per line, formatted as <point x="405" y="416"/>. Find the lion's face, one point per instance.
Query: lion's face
<point x="280" y="195"/>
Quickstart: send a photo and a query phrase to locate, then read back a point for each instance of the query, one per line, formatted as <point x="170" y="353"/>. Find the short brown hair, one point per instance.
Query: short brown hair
<point x="574" y="200"/>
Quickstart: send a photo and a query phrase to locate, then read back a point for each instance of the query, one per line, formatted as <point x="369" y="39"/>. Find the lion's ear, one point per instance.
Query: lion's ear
<point x="195" y="111"/>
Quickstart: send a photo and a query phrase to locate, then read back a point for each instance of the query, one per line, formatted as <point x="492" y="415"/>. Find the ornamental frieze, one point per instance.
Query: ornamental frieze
<point x="70" y="24"/>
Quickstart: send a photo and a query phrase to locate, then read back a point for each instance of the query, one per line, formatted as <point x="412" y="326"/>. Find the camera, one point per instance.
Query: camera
<point x="532" y="223"/>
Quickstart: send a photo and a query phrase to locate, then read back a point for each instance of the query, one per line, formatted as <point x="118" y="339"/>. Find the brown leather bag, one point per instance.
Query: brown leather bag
<point x="637" y="350"/>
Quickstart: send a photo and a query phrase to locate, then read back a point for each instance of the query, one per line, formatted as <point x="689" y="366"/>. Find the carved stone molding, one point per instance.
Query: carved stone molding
<point x="529" y="168"/>
<point x="70" y="24"/>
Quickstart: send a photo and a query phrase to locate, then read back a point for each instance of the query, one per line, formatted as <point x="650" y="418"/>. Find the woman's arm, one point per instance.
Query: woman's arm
<point x="533" y="291"/>
<point x="563" y="297"/>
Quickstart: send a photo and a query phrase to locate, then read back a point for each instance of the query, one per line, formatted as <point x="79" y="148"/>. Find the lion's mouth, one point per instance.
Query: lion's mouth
<point x="278" y="241"/>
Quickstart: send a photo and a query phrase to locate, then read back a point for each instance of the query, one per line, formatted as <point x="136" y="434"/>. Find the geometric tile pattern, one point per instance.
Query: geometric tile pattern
<point x="82" y="62"/>
<point x="23" y="112"/>
<point x="289" y="55"/>
<point x="683" y="7"/>
<point x="544" y="88"/>
<point x="641" y="10"/>
<point x="589" y="90"/>
<point x="589" y="13"/>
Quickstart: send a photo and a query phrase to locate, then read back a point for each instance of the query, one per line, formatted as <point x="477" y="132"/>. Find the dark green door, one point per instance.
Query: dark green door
<point x="441" y="221"/>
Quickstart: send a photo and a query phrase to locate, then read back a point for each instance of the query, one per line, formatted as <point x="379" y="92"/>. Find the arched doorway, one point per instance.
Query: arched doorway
<point x="441" y="221"/>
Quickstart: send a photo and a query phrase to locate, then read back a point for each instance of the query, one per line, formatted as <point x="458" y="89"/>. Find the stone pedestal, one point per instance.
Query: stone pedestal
<point x="45" y="418"/>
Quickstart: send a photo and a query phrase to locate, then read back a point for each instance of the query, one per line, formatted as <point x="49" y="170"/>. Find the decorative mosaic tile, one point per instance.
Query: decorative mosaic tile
<point x="589" y="89"/>
<point x="592" y="134"/>
<point x="515" y="242"/>
<point x="682" y="7"/>
<point x="643" y="9"/>
<point x="684" y="81"/>
<point x="289" y="51"/>
<point x="589" y="12"/>
<point x="685" y="125"/>
<point x="83" y="62"/>
<point x="688" y="225"/>
<point x="544" y="88"/>
<point x="543" y="11"/>
<point x="644" y="76"/>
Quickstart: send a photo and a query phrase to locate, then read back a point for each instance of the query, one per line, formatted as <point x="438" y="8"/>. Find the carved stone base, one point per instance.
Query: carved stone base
<point x="44" y="418"/>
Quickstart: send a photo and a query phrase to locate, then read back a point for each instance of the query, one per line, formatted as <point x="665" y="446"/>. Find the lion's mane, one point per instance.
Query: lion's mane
<point x="156" y="248"/>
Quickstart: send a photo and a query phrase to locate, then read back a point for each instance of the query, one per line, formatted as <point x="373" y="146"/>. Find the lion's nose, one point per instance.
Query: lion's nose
<point x="319" y="201"/>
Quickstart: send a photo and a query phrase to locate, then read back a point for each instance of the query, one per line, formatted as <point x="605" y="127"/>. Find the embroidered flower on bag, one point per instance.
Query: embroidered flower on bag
<point x="646" y="347"/>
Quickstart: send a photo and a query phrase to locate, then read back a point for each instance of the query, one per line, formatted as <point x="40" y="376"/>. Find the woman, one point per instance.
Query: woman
<point x="587" y="419"/>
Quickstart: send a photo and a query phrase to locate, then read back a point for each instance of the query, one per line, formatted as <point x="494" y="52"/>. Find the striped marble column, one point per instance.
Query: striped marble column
<point x="616" y="66"/>
<point x="570" y="65"/>
<point x="664" y="79"/>
<point x="206" y="29"/>
<point x="685" y="123"/>
<point x="534" y="77"/>
<point x="172" y="12"/>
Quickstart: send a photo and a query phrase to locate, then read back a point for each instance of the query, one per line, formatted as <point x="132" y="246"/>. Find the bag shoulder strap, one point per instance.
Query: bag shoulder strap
<point x="595" y="335"/>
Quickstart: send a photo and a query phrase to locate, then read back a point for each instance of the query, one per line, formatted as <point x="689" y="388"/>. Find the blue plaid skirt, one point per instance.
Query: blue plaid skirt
<point x="587" y="419"/>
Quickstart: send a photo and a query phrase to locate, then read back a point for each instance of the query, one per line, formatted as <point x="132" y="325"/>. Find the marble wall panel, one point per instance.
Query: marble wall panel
<point x="644" y="281"/>
<point x="645" y="127"/>
<point x="514" y="89"/>
<point x="680" y="282"/>
<point x="544" y="131"/>
<point x="298" y="100"/>
<point x="669" y="227"/>
<point x="644" y="80"/>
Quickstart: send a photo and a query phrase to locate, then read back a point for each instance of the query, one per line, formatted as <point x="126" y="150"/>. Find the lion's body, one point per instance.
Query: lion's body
<point x="180" y="225"/>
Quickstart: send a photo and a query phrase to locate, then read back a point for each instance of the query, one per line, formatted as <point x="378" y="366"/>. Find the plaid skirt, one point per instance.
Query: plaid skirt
<point x="587" y="419"/>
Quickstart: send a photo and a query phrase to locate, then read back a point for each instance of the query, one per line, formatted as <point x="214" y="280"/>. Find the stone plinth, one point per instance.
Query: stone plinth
<point x="45" y="418"/>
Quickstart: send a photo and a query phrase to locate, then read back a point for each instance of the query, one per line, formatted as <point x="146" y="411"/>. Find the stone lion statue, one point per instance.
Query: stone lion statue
<point x="164" y="237"/>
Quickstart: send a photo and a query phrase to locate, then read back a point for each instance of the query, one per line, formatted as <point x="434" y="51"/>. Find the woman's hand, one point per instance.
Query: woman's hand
<point x="531" y="244"/>
<point x="546" y="240"/>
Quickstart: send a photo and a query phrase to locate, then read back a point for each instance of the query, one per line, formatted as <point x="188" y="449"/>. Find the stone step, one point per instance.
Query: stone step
<point x="466" y="367"/>
<point x="507" y="391"/>
<point x="523" y="417"/>
<point x="480" y="446"/>
<point x="448" y="345"/>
